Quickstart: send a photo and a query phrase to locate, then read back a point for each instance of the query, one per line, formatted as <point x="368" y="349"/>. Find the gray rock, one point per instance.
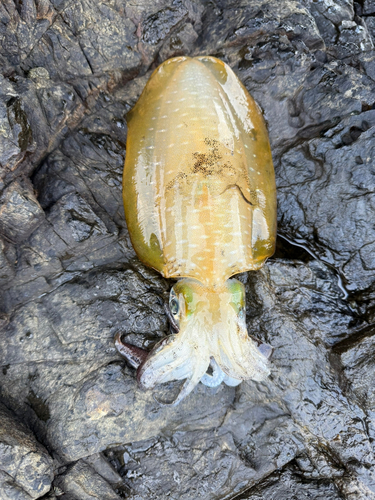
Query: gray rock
<point x="370" y="23"/>
<point x="358" y="370"/>
<point x="81" y="482"/>
<point x="344" y="33"/>
<point x="179" y="43"/>
<point x="288" y="484"/>
<point x="76" y="45"/>
<point x="368" y="7"/>
<point x="192" y="464"/>
<point x="10" y="490"/>
<point x="330" y="418"/>
<point x="70" y="280"/>
<point x="25" y="466"/>
<point x="313" y="293"/>
<point x="6" y="265"/>
<point x="351" y="141"/>
<point x="22" y="26"/>
<point x="15" y="132"/>
<point x="107" y="408"/>
<point x="35" y="113"/>
<point x="99" y="463"/>
<point x="20" y="212"/>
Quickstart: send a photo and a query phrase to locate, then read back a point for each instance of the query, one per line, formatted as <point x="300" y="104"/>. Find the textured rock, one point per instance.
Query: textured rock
<point x="190" y="463"/>
<point x="20" y="212"/>
<point x="107" y="408"/>
<point x="80" y="482"/>
<point x="344" y="235"/>
<point x="99" y="463"/>
<point x="6" y="267"/>
<point x="70" y="280"/>
<point x="288" y="484"/>
<point x="359" y="370"/>
<point x="25" y="466"/>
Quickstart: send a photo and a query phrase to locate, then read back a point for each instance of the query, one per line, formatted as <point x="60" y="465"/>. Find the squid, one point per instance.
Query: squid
<point x="200" y="205"/>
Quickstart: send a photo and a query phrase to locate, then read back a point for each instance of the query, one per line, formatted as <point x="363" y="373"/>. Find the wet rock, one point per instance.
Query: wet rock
<point x="79" y="319"/>
<point x="70" y="279"/>
<point x="202" y="465"/>
<point x="21" y="27"/>
<point x="354" y="38"/>
<point x="159" y="25"/>
<point x="20" y="212"/>
<point x="25" y="466"/>
<point x="288" y="484"/>
<point x="6" y="265"/>
<point x="332" y="420"/>
<point x="313" y="293"/>
<point x="99" y="463"/>
<point x="35" y="114"/>
<point x="77" y="46"/>
<point x="351" y="489"/>
<point x="358" y="369"/>
<point x="338" y="232"/>
<point x="344" y="33"/>
<point x="107" y="408"/>
<point x="165" y="23"/>
<point x="90" y="163"/>
<point x="329" y="16"/>
<point x="16" y="134"/>
<point x="179" y="43"/>
<point x="81" y="482"/>
<point x="368" y="7"/>
<point x="370" y="23"/>
<point x="240" y="25"/>
<point x="70" y="223"/>
<point x="306" y="107"/>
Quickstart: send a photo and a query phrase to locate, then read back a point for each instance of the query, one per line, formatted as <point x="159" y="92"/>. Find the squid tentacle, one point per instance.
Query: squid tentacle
<point x="134" y="355"/>
<point x="217" y="375"/>
<point x="231" y="382"/>
<point x="240" y="358"/>
<point x="233" y="358"/>
<point x="177" y="359"/>
<point x="190" y="383"/>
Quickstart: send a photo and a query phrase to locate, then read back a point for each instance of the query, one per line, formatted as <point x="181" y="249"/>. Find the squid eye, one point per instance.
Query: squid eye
<point x="174" y="306"/>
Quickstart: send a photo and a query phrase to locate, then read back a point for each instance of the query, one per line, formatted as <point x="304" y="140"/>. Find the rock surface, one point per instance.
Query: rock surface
<point x="26" y="469"/>
<point x="74" y="425"/>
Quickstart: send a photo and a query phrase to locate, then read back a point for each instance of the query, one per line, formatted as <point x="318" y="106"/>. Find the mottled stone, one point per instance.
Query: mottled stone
<point x="339" y="236"/>
<point x="359" y="371"/>
<point x="21" y="27"/>
<point x="107" y="408"/>
<point x="288" y="485"/>
<point x="77" y="46"/>
<point x="20" y="212"/>
<point x="81" y="482"/>
<point x="70" y="280"/>
<point x="15" y="131"/>
<point x="25" y="466"/>
<point x="6" y="265"/>
<point x="368" y="7"/>
<point x="194" y="465"/>
<point x="101" y="465"/>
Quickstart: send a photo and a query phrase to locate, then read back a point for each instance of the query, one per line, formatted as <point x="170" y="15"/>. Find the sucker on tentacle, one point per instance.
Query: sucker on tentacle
<point x="200" y="205"/>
